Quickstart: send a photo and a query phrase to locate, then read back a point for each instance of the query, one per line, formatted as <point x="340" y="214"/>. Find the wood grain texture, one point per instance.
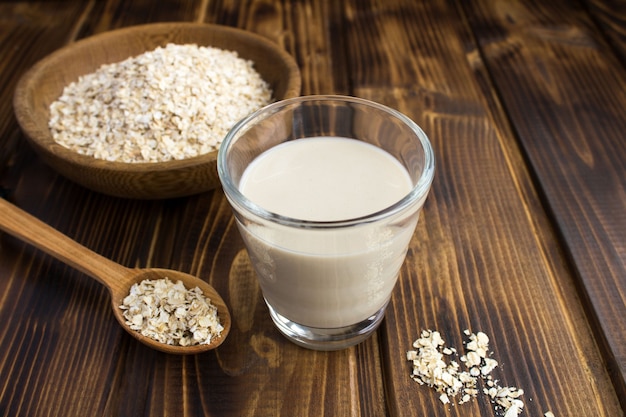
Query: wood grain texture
<point x="27" y="34"/>
<point x="610" y="16"/>
<point x="477" y="244"/>
<point x="490" y="252"/>
<point x="573" y="135"/>
<point x="265" y="373"/>
<point x="310" y="30"/>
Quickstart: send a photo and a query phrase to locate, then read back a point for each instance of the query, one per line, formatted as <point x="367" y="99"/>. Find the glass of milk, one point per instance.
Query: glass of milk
<point x="326" y="191"/>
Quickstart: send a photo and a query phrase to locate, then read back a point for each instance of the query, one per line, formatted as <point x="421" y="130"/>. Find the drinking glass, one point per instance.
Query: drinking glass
<point x="327" y="283"/>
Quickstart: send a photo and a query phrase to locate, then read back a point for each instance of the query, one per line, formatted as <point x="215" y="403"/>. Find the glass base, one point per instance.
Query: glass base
<point x="327" y="339"/>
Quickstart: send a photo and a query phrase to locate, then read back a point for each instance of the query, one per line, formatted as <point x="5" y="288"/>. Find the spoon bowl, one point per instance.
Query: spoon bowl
<point x="117" y="278"/>
<point x="118" y="293"/>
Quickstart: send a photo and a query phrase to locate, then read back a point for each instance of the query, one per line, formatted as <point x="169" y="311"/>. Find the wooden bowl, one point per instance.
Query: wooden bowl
<point x="44" y="83"/>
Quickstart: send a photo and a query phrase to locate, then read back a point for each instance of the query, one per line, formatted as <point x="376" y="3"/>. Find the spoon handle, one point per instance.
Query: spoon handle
<point x="42" y="236"/>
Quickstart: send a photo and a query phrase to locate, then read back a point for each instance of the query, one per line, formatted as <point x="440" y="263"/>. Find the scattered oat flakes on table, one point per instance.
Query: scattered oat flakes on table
<point x="432" y="367"/>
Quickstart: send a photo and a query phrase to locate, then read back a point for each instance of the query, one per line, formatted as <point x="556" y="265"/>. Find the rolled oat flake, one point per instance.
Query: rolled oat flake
<point x="175" y="102"/>
<point x="170" y="313"/>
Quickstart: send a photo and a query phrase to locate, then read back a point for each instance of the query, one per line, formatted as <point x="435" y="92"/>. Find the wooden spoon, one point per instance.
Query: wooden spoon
<point x="117" y="278"/>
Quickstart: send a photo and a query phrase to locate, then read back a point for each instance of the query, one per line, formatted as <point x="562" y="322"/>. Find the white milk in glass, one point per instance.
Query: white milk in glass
<point x="331" y="277"/>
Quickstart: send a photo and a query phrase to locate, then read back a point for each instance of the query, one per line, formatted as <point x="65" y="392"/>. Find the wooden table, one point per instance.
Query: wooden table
<point x="523" y="236"/>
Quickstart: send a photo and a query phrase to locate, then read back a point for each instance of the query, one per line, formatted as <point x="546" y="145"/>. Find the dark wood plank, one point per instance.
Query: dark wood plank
<point x="309" y="30"/>
<point x="61" y="351"/>
<point x="27" y="33"/>
<point x="264" y="372"/>
<point x="550" y="55"/>
<point x="114" y="14"/>
<point x="342" y="383"/>
<point x="485" y="256"/>
<point x="610" y="16"/>
<point x="33" y="326"/>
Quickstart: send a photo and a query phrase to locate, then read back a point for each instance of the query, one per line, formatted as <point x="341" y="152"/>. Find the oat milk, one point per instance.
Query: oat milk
<point x="327" y="277"/>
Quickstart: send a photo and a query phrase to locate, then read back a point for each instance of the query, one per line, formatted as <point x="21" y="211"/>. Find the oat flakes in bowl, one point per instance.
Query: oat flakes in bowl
<point x="165" y="148"/>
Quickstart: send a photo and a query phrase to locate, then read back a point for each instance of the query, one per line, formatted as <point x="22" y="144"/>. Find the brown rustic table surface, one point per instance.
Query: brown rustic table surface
<point x="523" y="236"/>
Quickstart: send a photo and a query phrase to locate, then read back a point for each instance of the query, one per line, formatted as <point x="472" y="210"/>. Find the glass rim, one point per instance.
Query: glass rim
<point x="417" y="193"/>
